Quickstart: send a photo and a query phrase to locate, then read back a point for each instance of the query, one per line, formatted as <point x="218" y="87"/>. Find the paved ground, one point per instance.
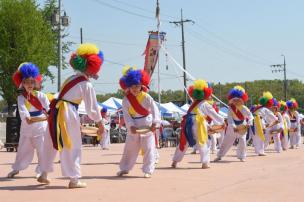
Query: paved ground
<point x="275" y="177"/>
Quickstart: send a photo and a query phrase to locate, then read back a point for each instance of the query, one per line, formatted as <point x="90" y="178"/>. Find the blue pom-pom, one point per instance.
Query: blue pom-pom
<point x="275" y="102"/>
<point x="289" y="103"/>
<point x="133" y="77"/>
<point x="235" y="93"/>
<point x="100" y="55"/>
<point x="104" y="109"/>
<point x="29" y="70"/>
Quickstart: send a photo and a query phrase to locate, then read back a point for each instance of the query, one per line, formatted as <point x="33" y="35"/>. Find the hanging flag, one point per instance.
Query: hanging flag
<point x="152" y="49"/>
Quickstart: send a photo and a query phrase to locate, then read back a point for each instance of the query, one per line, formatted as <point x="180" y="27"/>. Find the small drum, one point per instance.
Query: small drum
<point x="293" y="129"/>
<point x="89" y="131"/>
<point x="276" y="131"/>
<point x="241" y="129"/>
<point x="38" y="119"/>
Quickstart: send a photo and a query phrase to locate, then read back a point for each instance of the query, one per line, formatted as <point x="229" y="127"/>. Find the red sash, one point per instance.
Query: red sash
<point x="136" y="105"/>
<point x="33" y="100"/>
<point x="183" y="140"/>
<point x="237" y="112"/>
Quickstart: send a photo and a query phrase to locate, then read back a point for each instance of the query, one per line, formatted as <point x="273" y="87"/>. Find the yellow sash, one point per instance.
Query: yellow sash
<point x="140" y="98"/>
<point x="27" y="103"/>
<point x="61" y="124"/>
<point x="285" y="126"/>
<point x="259" y="126"/>
<point x="202" y="135"/>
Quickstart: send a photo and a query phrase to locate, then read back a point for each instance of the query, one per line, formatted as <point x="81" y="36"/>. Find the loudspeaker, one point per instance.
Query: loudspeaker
<point x="12" y="129"/>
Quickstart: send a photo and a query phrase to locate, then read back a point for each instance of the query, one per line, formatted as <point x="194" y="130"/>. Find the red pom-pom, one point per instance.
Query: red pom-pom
<point x="269" y="103"/>
<point x="93" y="64"/>
<point x="245" y="97"/>
<point x="190" y="90"/>
<point x="145" y="79"/>
<point x="72" y="58"/>
<point x="295" y="105"/>
<point x="208" y="92"/>
<point x="122" y="84"/>
<point x="17" y="78"/>
<point x="39" y="78"/>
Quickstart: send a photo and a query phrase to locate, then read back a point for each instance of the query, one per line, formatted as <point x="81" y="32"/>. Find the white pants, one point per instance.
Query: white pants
<point x="228" y="141"/>
<point x="221" y="138"/>
<point x="69" y="158"/>
<point x="204" y="151"/>
<point x="258" y="144"/>
<point x="105" y="140"/>
<point x="213" y="141"/>
<point x="25" y="153"/>
<point x="285" y="142"/>
<point x="276" y="140"/>
<point x="295" y="139"/>
<point x="134" y="143"/>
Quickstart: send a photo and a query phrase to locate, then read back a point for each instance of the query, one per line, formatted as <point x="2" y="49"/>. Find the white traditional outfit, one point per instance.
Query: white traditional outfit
<point x="135" y="142"/>
<point x="64" y="120"/>
<point x="194" y="125"/>
<point x="238" y="116"/>
<point x="30" y="105"/>
<point x="140" y="112"/>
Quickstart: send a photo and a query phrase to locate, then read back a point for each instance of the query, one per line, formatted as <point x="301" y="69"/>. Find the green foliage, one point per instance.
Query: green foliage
<point x="25" y="35"/>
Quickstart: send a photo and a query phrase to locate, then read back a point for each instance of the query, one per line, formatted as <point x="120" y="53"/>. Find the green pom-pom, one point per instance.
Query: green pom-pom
<point x="263" y="101"/>
<point x="79" y="63"/>
<point x="198" y="94"/>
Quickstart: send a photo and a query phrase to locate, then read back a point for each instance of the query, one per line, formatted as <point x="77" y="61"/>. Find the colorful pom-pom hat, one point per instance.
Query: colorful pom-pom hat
<point x="87" y="59"/>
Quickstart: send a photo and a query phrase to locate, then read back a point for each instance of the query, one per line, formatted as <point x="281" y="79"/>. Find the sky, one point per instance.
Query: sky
<point x="230" y="41"/>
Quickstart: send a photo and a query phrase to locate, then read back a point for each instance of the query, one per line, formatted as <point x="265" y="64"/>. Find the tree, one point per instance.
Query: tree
<point x="25" y="35"/>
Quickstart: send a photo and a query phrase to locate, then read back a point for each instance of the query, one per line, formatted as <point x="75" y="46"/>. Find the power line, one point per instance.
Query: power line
<point x="232" y="44"/>
<point x="124" y="10"/>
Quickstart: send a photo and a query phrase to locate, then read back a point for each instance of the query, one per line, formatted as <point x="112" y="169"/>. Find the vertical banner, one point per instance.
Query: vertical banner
<point x="152" y="50"/>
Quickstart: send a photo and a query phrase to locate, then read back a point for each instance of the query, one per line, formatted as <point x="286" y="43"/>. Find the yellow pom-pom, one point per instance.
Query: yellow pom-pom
<point x="87" y="49"/>
<point x="294" y="100"/>
<point x="267" y="95"/>
<point x="210" y="102"/>
<point x="282" y="103"/>
<point x="200" y="84"/>
<point x="126" y="68"/>
<point x="239" y="88"/>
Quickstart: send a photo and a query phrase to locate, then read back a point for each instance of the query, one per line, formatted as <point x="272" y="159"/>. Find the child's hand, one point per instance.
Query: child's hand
<point x="28" y="120"/>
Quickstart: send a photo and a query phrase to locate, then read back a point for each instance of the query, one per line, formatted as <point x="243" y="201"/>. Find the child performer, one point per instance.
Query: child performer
<point x="105" y="138"/>
<point x="140" y="113"/>
<point x="276" y="129"/>
<point x="31" y="105"/>
<point x="194" y="124"/>
<point x="286" y="125"/>
<point x="239" y="120"/>
<point x="64" y="120"/>
<point x="295" y="124"/>
<point x="263" y="117"/>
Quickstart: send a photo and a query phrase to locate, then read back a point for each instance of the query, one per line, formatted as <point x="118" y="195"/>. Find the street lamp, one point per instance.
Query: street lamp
<point x="59" y="21"/>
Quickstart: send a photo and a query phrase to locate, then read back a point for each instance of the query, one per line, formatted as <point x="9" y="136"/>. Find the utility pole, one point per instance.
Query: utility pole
<point x="181" y="23"/>
<point x="59" y="47"/>
<point x="81" y="35"/>
<point x="59" y="21"/>
<point x="281" y="68"/>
